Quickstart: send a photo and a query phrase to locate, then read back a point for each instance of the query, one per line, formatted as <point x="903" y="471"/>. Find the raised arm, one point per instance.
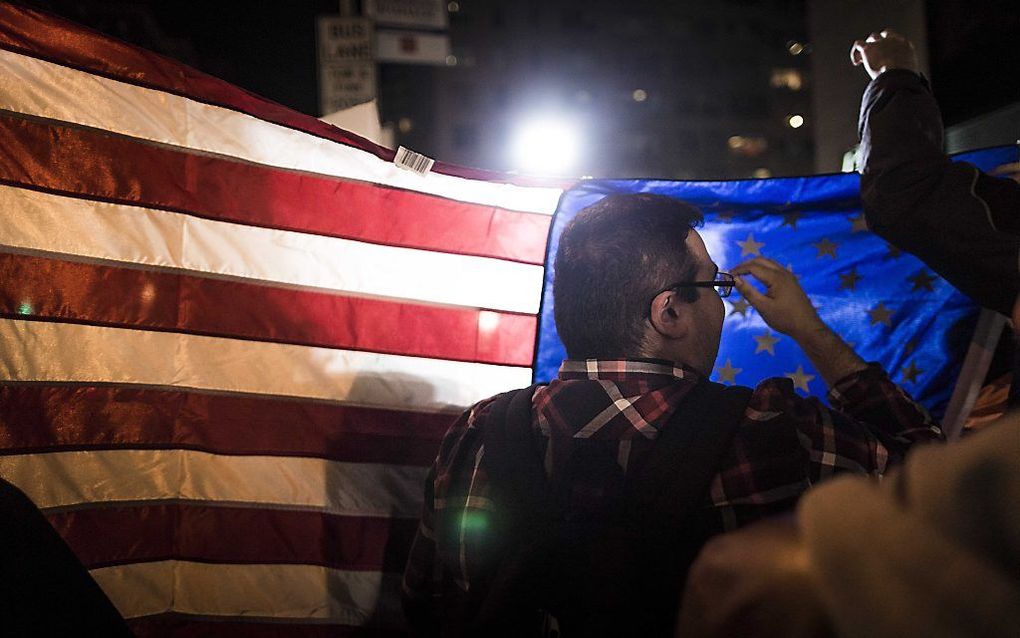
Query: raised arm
<point x="962" y="223"/>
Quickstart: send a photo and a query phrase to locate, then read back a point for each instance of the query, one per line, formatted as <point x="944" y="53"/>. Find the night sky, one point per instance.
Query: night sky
<point x="265" y="47"/>
<point x="269" y="47"/>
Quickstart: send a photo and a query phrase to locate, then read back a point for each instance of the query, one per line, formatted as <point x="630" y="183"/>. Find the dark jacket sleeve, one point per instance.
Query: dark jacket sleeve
<point x="961" y="222"/>
<point x="44" y="588"/>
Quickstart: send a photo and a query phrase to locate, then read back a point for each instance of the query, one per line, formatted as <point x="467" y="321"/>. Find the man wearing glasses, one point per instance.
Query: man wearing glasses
<point x="592" y="499"/>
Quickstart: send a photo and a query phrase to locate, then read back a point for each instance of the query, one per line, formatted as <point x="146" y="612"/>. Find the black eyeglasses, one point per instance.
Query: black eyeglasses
<point x="723" y="284"/>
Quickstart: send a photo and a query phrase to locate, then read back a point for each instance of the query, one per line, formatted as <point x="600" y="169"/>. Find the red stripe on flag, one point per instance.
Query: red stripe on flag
<point x="125" y="297"/>
<point x="50" y="38"/>
<point x="37" y="418"/>
<point x="96" y="165"/>
<point x="105" y="536"/>
<point x="184" y="626"/>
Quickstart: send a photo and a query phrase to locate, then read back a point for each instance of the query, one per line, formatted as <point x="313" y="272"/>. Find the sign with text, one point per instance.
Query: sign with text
<point x="418" y="14"/>
<point x="346" y="62"/>
<point x="342" y="86"/>
<point x="344" y="39"/>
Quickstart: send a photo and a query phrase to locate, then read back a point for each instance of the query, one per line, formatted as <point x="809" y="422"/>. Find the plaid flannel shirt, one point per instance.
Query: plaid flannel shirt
<point x="783" y="446"/>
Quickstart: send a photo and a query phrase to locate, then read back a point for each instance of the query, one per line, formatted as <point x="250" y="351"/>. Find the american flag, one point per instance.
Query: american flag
<point x="232" y="335"/>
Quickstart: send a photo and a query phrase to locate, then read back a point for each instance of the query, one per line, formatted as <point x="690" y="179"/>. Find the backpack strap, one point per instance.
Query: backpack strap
<point x="627" y="580"/>
<point x="511" y="455"/>
<point x="685" y="458"/>
<point x="513" y="463"/>
<point x="664" y="522"/>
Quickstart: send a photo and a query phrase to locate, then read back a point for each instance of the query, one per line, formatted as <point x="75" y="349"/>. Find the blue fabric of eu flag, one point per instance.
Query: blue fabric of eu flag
<point x="887" y="304"/>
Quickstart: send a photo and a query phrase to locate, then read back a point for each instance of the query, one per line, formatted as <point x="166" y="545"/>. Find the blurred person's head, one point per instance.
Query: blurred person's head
<point x="876" y="558"/>
<point x="614" y="263"/>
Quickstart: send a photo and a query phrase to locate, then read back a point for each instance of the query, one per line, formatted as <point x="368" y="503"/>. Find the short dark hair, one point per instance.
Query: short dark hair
<point x="612" y="259"/>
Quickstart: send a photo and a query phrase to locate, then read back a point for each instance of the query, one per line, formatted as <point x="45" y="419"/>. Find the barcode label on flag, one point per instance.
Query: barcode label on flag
<point x="415" y="162"/>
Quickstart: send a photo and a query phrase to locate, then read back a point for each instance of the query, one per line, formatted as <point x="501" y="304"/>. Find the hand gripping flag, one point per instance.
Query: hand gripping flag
<point x="232" y="335"/>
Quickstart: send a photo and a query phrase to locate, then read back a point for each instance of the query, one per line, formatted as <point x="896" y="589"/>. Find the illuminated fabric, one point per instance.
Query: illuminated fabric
<point x="887" y="304"/>
<point x="233" y="335"/>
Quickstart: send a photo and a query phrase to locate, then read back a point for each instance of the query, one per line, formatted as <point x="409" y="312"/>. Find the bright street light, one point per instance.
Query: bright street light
<point x="547" y="145"/>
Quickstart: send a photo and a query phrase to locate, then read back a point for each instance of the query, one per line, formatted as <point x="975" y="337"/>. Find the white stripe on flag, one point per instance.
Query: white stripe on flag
<point x="283" y="482"/>
<point x="61" y="352"/>
<point x="254" y="591"/>
<point x="35" y="87"/>
<point x="42" y="222"/>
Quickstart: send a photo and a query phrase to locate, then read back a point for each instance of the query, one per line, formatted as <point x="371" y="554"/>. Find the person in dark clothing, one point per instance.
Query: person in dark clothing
<point x="963" y="223"/>
<point x="638" y="306"/>
<point x="44" y="589"/>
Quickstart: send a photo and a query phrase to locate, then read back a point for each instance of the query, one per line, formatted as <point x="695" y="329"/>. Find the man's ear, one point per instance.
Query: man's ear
<point x="670" y="316"/>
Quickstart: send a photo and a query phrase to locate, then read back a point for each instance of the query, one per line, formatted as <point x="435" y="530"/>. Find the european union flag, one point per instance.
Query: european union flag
<point x="887" y="304"/>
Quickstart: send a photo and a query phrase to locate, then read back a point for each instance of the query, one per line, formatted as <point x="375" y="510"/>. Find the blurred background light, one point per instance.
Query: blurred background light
<point x="786" y="79"/>
<point x="747" y="145"/>
<point x="547" y="145"/>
